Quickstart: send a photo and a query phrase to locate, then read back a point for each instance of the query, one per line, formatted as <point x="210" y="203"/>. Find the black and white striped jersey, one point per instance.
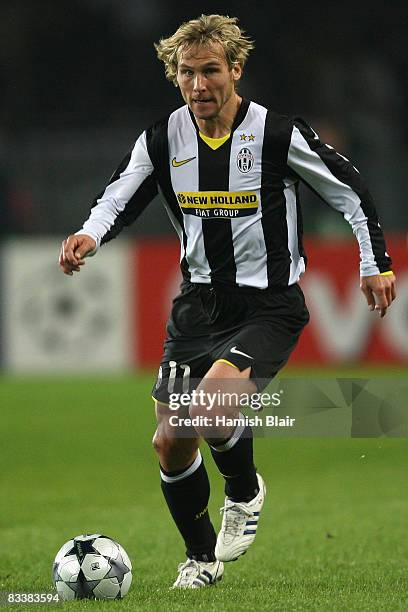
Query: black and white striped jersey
<point x="236" y="208"/>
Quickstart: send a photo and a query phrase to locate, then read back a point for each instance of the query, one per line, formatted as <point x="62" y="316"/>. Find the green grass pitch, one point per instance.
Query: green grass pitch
<point x="76" y="457"/>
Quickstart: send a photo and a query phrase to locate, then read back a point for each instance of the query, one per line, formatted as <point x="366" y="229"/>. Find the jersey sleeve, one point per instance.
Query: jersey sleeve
<point x="129" y="190"/>
<point x="340" y="184"/>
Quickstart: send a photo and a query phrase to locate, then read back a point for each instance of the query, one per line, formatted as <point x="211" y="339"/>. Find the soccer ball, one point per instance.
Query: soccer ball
<point x="92" y="567"/>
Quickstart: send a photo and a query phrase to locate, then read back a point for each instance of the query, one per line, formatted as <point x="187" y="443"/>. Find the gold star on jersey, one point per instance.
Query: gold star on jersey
<point x="247" y="138"/>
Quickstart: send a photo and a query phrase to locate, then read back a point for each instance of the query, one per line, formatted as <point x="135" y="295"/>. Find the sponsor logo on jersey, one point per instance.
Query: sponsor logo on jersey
<point x="177" y="164"/>
<point x="218" y="204"/>
<point x="245" y="160"/>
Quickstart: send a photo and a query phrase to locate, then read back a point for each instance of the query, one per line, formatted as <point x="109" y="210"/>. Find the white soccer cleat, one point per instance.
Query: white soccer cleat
<point x="196" y="574"/>
<point x="239" y="525"/>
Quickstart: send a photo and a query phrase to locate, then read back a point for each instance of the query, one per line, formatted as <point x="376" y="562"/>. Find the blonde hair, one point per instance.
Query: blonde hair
<point x="201" y="31"/>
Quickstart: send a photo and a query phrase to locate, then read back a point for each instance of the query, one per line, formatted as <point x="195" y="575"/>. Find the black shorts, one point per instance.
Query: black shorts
<point x="246" y="327"/>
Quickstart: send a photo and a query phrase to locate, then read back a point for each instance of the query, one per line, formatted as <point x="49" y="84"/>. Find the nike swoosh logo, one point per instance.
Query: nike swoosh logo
<point x="176" y="163"/>
<point x="235" y="350"/>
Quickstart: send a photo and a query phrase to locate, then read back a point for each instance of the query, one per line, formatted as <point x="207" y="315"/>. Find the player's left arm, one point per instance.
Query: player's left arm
<point x="334" y="178"/>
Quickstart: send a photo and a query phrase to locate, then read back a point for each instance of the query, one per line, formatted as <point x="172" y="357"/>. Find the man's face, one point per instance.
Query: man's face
<point x="205" y="79"/>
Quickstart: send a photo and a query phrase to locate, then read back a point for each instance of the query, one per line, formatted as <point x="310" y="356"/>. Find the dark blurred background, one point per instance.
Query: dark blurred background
<point x="80" y="80"/>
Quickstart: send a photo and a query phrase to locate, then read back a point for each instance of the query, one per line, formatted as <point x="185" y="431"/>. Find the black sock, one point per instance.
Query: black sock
<point x="234" y="459"/>
<point x="187" y="493"/>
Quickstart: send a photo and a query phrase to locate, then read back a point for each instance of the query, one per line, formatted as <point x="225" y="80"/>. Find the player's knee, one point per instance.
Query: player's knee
<point x="161" y="444"/>
<point x="198" y="410"/>
<point x="165" y="446"/>
<point x="208" y="406"/>
<point x="174" y="453"/>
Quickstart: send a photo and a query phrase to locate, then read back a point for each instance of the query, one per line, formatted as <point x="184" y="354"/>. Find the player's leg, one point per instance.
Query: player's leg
<point x="231" y="445"/>
<point x="185" y="484"/>
<point x="186" y="489"/>
<point x="263" y="329"/>
<point x="232" y="451"/>
<point x="184" y="480"/>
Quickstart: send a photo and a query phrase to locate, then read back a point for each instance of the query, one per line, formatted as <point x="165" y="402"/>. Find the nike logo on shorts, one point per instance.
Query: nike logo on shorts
<point x="237" y="352"/>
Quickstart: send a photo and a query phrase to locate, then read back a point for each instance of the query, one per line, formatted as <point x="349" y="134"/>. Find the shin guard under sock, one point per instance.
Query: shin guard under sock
<point x="187" y="493"/>
<point x="234" y="459"/>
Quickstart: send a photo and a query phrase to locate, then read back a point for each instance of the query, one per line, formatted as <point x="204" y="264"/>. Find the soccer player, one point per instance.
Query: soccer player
<point x="227" y="170"/>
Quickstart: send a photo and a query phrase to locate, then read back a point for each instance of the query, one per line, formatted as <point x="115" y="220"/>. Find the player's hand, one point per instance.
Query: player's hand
<point x="379" y="291"/>
<point x="73" y="251"/>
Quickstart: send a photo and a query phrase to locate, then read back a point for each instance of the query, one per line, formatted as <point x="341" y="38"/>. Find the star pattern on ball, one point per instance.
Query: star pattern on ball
<point x="118" y="569"/>
<point x="82" y="587"/>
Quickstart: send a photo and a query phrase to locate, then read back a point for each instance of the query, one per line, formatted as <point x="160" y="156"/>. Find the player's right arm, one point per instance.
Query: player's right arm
<point x="130" y="189"/>
<point x="73" y="251"/>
